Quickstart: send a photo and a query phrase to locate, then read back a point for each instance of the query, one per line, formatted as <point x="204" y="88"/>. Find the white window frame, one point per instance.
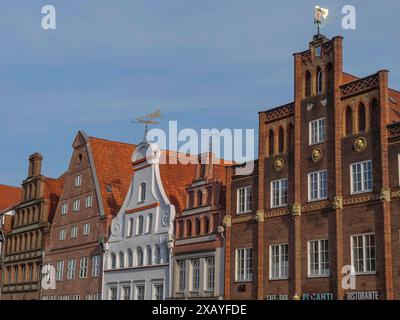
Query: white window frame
<point x="195" y="264"/>
<point x="363" y="180"/>
<point x="319" y="272"/>
<point x="142" y="192"/>
<point x="60" y="270"/>
<point x="111" y="295"/>
<point x="123" y="292"/>
<point x="76" y="205"/>
<point x="244" y="264"/>
<point x="137" y="291"/>
<point x="86" y="229"/>
<point x="96" y="266"/>
<point x="278" y="197"/>
<point x="71" y="269"/>
<point x="210" y="269"/>
<point x="247" y="198"/>
<point x="156" y="286"/>
<point x="78" y="180"/>
<point x="83" y="267"/>
<point x="89" y="201"/>
<point x="319" y="186"/>
<point x="364" y="251"/>
<point x="149" y="222"/>
<point x="283" y="251"/>
<point x="62" y="234"/>
<point x="316" y="134"/>
<point x="181" y="275"/>
<point x="64" y="208"/>
<point x="139" y="225"/>
<point x="74" y="232"/>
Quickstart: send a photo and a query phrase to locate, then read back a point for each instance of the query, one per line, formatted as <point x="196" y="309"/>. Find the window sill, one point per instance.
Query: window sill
<point x="278" y="207"/>
<point x="316" y="143"/>
<point x="316" y="200"/>
<point x="243" y="281"/>
<point x="367" y="273"/>
<point x="278" y="279"/>
<point x="244" y="212"/>
<point x="354" y="193"/>
<point x="318" y="276"/>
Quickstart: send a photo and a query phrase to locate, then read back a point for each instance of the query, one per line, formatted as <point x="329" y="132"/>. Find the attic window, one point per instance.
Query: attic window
<point x="80" y="157"/>
<point x="109" y="188"/>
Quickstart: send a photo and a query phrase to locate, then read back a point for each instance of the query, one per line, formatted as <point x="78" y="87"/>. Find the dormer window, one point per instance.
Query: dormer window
<point x="142" y="192"/>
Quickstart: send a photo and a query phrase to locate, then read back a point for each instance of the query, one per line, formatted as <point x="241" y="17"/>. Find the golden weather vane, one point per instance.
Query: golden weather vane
<point x="147" y="120"/>
<point x="320" y="16"/>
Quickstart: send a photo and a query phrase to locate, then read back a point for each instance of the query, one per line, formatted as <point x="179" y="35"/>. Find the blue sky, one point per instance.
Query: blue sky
<point x="204" y="63"/>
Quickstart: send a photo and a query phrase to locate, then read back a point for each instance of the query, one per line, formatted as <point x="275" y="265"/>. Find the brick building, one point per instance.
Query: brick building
<point x="96" y="183"/>
<point x="325" y="192"/>
<point x="198" y="254"/>
<point x="9" y="197"/>
<point x="26" y="239"/>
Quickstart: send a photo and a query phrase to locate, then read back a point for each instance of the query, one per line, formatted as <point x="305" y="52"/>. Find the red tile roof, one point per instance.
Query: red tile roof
<point x="9" y="196"/>
<point x="53" y="189"/>
<point x="112" y="161"/>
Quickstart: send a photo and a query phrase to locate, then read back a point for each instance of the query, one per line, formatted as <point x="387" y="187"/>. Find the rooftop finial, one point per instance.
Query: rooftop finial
<point x="148" y="119"/>
<point x="320" y="17"/>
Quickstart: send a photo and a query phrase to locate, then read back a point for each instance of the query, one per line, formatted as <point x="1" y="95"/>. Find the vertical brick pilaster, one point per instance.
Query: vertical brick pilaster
<point x="385" y="191"/>
<point x="261" y="207"/>
<point x="227" y="224"/>
<point x="336" y="245"/>
<point x="295" y="236"/>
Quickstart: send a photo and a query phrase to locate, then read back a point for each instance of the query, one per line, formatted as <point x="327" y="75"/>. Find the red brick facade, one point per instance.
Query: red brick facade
<point x="358" y="116"/>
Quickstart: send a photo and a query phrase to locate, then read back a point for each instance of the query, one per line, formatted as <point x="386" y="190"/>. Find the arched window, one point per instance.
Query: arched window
<point x="113" y="261"/>
<point x="23" y="272"/>
<point x="149" y="257"/>
<point x="197" y="226"/>
<point x="329" y="76"/>
<point x="188" y="228"/>
<point x="149" y="223"/>
<point x="374" y="114"/>
<point x="281" y="137"/>
<point x="165" y="253"/>
<point x="31" y="272"/>
<point x="349" y="121"/>
<point x="121" y="260"/>
<point x="361" y="117"/>
<point x="129" y="231"/>
<point x="139" y="229"/>
<point x="319" y="80"/>
<point x="16" y="278"/>
<point x="206" y="225"/>
<point x="199" y="198"/>
<point x="142" y="192"/>
<point x="307" y="84"/>
<point x="157" y="255"/>
<point x="271" y="142"/>
<point x="139" y="256"/>
<point x="180" y="229"/>
<point x="209" y="195"/>
<point x="191" y="199"/>
<point x="130" y="258"/>
<point x="290" y="137"/>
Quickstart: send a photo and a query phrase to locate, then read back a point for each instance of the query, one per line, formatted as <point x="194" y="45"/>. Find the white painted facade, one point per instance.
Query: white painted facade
<point x="139" y="248"/>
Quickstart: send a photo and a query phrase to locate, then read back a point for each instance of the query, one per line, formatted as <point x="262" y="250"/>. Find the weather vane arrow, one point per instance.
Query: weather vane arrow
<point x="147" y="120"/>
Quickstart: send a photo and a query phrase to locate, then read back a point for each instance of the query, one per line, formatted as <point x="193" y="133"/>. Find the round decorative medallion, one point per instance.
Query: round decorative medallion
<point x="165" y="218"/>
<point x="360" y="144"/>
<point x="279" y="164"/>
<point x="115" y="228"/>
<point x="316" y="154"/>
<point x="153" y="154"/>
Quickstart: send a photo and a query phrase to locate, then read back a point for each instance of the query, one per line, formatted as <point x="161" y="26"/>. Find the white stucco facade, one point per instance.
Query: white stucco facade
<point x="139" y="248"/>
